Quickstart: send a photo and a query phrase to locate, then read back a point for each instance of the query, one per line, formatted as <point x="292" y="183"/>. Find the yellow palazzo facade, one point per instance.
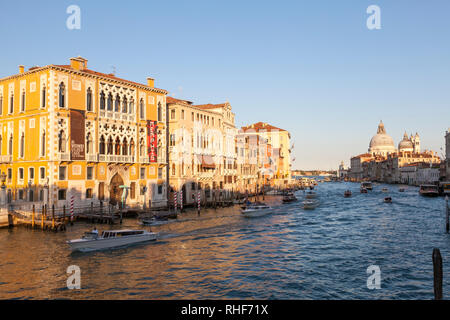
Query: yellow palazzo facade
<point x="68" y="132"/>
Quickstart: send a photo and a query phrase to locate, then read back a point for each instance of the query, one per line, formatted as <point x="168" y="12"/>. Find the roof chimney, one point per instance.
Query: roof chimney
<point x="21" y="69"/>
<point x="151" y="82"/>
<point x="78" y="63"/>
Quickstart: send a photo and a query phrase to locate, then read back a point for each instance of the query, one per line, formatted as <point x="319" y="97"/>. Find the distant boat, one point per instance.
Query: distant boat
<point x="363" y="190"/>
<point x="401" y="190"/>
<point x="367" y="185"/>
<point x="385" y="190"/>
<point x="289" y="197"/>
<point x="311" y="195"/>
<point x="347" y="194"/>
<point x="256" y="209"/>
<point x="110" y="239"/>
<point x="429" y="190"/>
<point x="310" y="204"/>
<point x="388" y="200"/>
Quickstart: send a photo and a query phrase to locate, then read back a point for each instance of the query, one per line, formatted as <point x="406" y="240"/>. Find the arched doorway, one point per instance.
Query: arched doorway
<point x="115" y="192"/>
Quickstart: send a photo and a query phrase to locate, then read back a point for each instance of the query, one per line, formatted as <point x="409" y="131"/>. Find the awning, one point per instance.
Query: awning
<point x="207" y="162"/>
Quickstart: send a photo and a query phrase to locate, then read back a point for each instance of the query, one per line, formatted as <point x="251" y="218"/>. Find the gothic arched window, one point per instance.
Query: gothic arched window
<point x="110" y="146"/>
<point x="117" y="104"/>
<point x="124" y="105"/>
<point x="102" y="145"/>
<point x="132" y="147"/>
<point x="131" y="107"/>
<point x="89" y="149"/>
<point x="102" y="101"/>
<point x="89" y="100"/>
<point x="109" y="106"/>
<point x="159" y="111"/>
<point x="141" y="109"/>
<point x="62" y="142"/>
<point x="125" y="147"/>
<point x="117" y="147"/>
<point x="62" y="95"/>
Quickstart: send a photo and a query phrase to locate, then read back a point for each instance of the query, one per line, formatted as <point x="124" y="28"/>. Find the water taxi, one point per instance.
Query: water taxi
<point x="310" y="204"/>
<point x="429" y="190"/>
<point x="110" y="239"/>
<point x="289" y="197"/>
<point x="367" y="185"/>
<point x="256" y="209"/>
<point x="347" y="194"/>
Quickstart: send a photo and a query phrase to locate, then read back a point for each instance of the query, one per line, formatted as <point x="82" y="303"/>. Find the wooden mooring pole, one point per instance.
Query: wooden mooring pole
<point x="32" y="217"/>
<point x="447" y="214"/>
<point x="437" y="270"/>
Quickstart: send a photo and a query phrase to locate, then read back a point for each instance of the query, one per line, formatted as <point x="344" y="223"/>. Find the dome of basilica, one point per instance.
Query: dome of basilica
<point x="406" y="144"/>
<point x="382" y="143"/>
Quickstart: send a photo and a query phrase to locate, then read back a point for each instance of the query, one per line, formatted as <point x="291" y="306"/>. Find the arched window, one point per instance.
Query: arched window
<point x="10" y="146"/>
<point x="22" y="105"/>
<point x="62" y="95"/>
<point x="89" y="100"/>
<point x="1" y="105"/>
<point x="102" y="145"/>
<point x="110" y="146"/>
<point x="102" y="101"/>
<point x="125" y="147"/>
<point x="89" y="149"/>
<point x="22" y="145"/>
<point x="173" y="169"/>
<point x="0" y="144"/>
<point x="142" y="148"/>
<point x="11" y="103"/>
<point x="43" y="144"/>
<point x="131" y="107"/>
<point x="117" y="104"/>
<point x="159" y="111"/>
<point x="109" y="106"/>
<point x="141" y="109"/>
<point x="132" y="148"/>
<point x="124" y="105"/>
<point x="62" y="142"/>
<point x="43" y="98"/>
<point x="117" y="147"/>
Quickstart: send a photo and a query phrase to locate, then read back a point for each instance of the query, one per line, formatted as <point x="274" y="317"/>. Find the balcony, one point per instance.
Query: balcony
<point x="5" y="159"/>
<point x="92" y="157"/>
<point x="63" y="156"/>
<point x="115" y="158"/>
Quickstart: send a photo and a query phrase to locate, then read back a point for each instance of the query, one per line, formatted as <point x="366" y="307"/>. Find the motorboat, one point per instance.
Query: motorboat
<point x="388" y="200"/>
<point x="385" y="190"/>
<point x="274" y="192"/>
<point x="363" y="190"/>
<point x="429" y="190"/>
<point x="445" y="187"/>
<point x="311" y="195"/>
<point x="155" y="221"/>
<point x="310" y="204"/>
<point x="347" y="194"/>
<point x="367" y="185"/>
<point x="289" y="197"/>
<point x="256" y="209"/>
<point x="401" y="190"/>
<point x="91" y="241"/>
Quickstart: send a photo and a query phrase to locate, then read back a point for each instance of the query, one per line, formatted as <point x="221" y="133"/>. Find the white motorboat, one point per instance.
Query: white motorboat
<point x="385" y="190"/>
<point x="310" y="204"/>
<point x="110" y="239"/>
<point x="154" y="222"/>
<point x="257" y="209"/>
<point x="311" y="195"/>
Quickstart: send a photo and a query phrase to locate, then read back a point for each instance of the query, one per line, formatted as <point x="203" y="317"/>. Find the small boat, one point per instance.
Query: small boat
<point x="367" y="185"/>
<point x="239" y="201"/>
<point x="289" y="197"/>
<point x="385" y="190"/>
<point x="388" y="200"/>
<point x="311" y="187"/>
<point x="311" y="195"/>
<point x="110" y="239"/>
<point x="363" y="190"/>
<point x="429" y="190"/>
<point x="310" y="204"/>
<point x="347" y="194"/>
<point x="256" y="209"/>
<point x="401" y="190"/>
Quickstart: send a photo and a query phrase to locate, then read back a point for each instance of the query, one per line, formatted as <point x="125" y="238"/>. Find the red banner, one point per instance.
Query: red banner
<point x="152" y="141"/>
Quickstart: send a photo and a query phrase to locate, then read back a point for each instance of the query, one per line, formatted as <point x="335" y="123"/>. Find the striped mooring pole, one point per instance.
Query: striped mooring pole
<point x="175" y="202"/>
<point x="198" y="202"/>
<point x="181" y="201"/>
<point x="71" y="210"/>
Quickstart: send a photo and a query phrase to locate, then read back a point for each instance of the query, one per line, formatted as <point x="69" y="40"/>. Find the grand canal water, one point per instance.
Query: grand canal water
<point x="291" y="254"/>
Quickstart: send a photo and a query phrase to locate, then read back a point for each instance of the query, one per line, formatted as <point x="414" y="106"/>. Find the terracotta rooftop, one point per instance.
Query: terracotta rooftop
<point x="211" y="106"/>
<point x="262" y="126"/>
<point x="104" y="75"/>
<point x="171" y="100"/>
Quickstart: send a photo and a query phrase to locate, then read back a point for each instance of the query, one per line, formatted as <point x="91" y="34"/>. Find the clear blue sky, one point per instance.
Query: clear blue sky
<point x="310" y="67"/>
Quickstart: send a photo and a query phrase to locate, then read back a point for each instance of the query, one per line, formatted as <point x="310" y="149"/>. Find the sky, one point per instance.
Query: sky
<point x="310" y="67"/>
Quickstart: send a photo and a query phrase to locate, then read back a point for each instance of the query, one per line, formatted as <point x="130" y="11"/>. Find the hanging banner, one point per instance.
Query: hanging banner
<point x="77" y="135"/>
<point x="152" y="141"/>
